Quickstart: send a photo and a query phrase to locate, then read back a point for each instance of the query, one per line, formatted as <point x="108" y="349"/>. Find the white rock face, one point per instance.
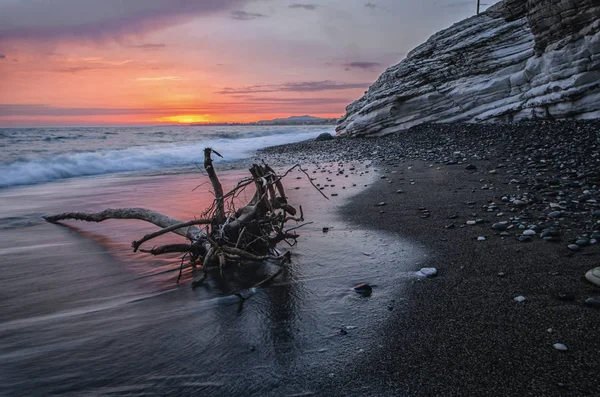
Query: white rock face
<point x="521" y="59"/>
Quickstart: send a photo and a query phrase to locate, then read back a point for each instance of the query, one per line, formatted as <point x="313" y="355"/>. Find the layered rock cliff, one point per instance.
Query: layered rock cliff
<point x="520" y="59"/>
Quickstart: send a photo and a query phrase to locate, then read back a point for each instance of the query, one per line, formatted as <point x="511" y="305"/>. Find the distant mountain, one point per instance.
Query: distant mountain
<point x="292" y="120"/>
<point x="298" y="120"/>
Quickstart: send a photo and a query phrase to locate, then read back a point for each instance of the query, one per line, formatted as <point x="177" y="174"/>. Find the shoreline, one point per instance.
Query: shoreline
<point x="461" y="333"/>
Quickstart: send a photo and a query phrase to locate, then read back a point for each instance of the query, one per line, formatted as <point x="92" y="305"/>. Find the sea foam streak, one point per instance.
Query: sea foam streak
<point x="144" y="158"/>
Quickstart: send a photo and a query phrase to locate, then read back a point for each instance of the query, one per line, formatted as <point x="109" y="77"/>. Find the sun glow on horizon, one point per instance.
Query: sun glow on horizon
<point x="185" y="119"/>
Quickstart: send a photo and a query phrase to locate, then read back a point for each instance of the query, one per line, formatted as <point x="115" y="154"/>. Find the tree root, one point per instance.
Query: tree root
<point x="249" y="233"/>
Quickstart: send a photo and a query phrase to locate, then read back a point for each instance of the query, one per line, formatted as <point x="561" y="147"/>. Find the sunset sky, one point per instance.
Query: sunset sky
<point x="91" y="62"/>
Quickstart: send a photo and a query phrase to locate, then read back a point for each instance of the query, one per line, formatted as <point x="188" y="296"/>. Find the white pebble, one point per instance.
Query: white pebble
<point x="471" y="223"/>
<point x="529" y="232"/>
<point x="560" y="347"/>
<point x="480" y="238"/>
<point x="427" y="272"/>
<point x="519" y="298"/>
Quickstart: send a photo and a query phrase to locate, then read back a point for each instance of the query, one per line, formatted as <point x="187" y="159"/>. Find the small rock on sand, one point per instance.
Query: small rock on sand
<point x="560" y="347"/>
<point x="427" y="272"/>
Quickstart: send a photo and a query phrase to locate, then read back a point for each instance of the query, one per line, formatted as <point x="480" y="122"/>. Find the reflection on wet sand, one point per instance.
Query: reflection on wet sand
<point x="85" y="315"/>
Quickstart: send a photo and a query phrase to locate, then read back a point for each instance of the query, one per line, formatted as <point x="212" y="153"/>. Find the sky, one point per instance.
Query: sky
<point x="91" y="62"/>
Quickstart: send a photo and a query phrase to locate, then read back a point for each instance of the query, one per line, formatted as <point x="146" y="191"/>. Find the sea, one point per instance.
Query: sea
<point x="83" y="315"/>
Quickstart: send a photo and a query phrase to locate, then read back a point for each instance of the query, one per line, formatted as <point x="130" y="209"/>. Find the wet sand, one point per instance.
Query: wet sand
<point x="461" y="333"/>
<point x="80" y="314"/>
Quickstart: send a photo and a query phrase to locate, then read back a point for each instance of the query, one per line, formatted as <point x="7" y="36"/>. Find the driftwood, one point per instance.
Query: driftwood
<point x="224" y="235"/>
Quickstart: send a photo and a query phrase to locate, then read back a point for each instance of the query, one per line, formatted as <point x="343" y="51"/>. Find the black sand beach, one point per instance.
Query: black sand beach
<point x="462" y="333"/>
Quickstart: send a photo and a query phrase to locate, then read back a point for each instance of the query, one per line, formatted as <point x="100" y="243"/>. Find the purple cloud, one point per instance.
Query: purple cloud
<point x="2" y="56"/>
<point x="368" y="66"/>
<point x="245" y="16"/>
<point x="309" y="7"/>
<point x="306" y="86"/>
<point x="149" y="46"/>
<point x="98" y="20"/>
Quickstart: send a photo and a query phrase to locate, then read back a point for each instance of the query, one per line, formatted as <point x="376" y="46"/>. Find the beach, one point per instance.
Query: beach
<point x="83" y="315"/>
<point x="462" y="333"/>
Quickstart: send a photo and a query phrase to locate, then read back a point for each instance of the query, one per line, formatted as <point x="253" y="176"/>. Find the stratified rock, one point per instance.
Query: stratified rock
<point x="520" y="59"/>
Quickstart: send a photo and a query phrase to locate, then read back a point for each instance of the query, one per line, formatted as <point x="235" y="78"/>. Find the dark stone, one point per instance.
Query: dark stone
<point x="325" y="229"/>
<point x="470" y="167"/>
<point x="324" y="137"/>
<point x="593" y="302"/>
<point x="565" y="296"/>
<point x="500" y="226"/>
<point x="363" y="288"/>
<point x="525" y="239"/>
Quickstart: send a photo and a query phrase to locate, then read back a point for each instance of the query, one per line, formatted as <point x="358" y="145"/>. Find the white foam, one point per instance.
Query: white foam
<point x="143" y="158"/>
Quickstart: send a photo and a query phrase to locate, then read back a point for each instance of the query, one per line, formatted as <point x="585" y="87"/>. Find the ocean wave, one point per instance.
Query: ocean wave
<point x="141" y="158"/>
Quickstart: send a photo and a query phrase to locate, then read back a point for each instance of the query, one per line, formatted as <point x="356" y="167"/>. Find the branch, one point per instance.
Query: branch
<point x="142" y="214"/>
<point x="218" y="189"/>
<point x="136" y="244"/>
<point x="168" y="249"/>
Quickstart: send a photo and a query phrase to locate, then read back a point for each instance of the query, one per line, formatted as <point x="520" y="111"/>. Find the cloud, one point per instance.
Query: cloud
<point x="147" y="46"/>
<point x="77" y="65"/>
<point x="306" y="86"/>
<point x="255" y="106"/>
<point x="75" y="69"/>
<point x="160" y="78"/>
<point x="2" y="56"/>
<point x="368" y="66"/>
<point x="85" y="20"/>
<point x="459" y="4"/>
<point x="245" y="16"/>
<point x="309" y="7"/>
<point x="48" y="110"/>
<point x="371" y="5"/>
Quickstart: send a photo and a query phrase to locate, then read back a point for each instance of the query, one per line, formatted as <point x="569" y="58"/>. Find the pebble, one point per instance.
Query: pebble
<point x="470" y="167"/>
<point x="573" y="247"/>
<point x="519" y="298"/>
<point x="525" y="239"/>
<point x="480" y="238"/>
<point x="529" y="232"/>
<point x="363" y="288"/>
<point x="380" y="204"/>
<point x="325" y="229"/>
<point x="500" y="226"/>
<point x="593" y="302"/>
<point x="554" y="214"/>
<point x="565" y="296"/>
<point x="471" y="223"/>
<point x="560" y="347"/>
<point x="427" y="272"/>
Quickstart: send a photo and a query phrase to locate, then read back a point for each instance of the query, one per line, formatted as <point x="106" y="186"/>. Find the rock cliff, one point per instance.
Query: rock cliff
<point x="520" y="59"/>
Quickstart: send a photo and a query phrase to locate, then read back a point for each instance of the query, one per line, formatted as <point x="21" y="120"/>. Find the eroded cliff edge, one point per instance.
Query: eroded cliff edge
<point x="520" y="59"/>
